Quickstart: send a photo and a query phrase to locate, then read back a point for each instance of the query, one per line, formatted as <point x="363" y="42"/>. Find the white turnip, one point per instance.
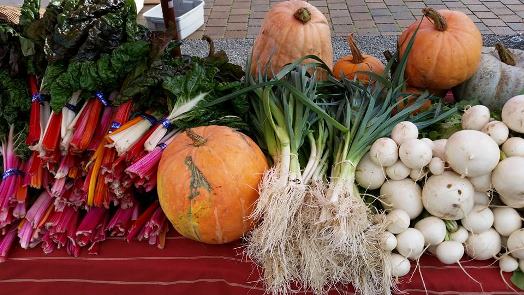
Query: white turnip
<point x="508" y="263"/>
<point x="368" y="174"/>
<point x="508" y="181"/>
<point x="472" y="153"/>
<point x="483" y="246"/>
<point x="475" y="117"/>
<point x="448" y="196"/>
<point x="507" y="220"/>
<point x="481" y="198"/>
<point x="481" y="183"/>
<point x="480" y="219"/>
<point x="397" y="220"/>
<point x="402" y="194"/>
<point x="384" y="152"/>
<point x="410" y="243"/>
<point x="439" y="148"/>
<point x="400" y="266"/>
<point x="437" y="166"/>
<point x="433" y="229"/>
<point x="415" y="154"/>
<point x="449" y="252"/>
<point x="461" y="235"/>
<point x="388" y="241"/>
<point x="404" y="131"/>
<point x="498" y="131"/>
<point x="513" y="113"/>
<point x="418" y="174"/>
<point x="398" y="171"/>
<point x="516" y="244"/>
<point x="514" y="147"/>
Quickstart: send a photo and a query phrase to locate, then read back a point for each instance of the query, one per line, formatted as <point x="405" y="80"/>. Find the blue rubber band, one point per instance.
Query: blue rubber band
<point x="162" y="146"/>
<point x="72" y="107"/>
<point x="100" y="96"/>
<point x="37" y="97"/>
<point x="11" y="172"/>
<point x="150" y="118"/>
<point x="167" y="124"/>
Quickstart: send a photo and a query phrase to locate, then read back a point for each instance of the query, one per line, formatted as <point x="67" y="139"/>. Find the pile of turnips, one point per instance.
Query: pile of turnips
<point x="452" y="196"/>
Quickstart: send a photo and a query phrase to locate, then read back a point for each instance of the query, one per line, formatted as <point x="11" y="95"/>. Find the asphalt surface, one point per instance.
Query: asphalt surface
<point x="239" y="49"/>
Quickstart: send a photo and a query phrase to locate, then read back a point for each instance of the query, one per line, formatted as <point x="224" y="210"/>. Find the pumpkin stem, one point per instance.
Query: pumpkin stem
<point x="388" y="55"/>
<point x="211" y="45"/>
<point x="436" y="18"/>
<point x="505" y="55"/>
<point x="355" y="52"/>
<point x="198" y="140"/>
<point x="303" y="15"/>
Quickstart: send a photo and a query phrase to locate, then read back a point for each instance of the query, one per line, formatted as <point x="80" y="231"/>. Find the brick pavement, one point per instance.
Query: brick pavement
<point x="242" y="18"/>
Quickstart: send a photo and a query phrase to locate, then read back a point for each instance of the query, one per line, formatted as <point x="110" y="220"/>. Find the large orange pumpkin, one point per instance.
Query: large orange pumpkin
<point x="291" y="30"/>
<point x="446" y="51"/>
<point x="207" y="183"/>
<point x="348" y="66"/>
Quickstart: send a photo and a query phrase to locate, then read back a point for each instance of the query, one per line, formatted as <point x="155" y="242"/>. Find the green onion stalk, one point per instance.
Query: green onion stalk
<point x="346" y="225"/>
<point x="290" y="125"/>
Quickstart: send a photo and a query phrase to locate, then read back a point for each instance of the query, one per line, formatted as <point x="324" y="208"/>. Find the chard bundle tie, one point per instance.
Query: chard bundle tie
<point x="11" y="172"/>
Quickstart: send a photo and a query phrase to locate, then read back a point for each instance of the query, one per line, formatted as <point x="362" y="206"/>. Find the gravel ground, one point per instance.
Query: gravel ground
<point x="239" y="49"/>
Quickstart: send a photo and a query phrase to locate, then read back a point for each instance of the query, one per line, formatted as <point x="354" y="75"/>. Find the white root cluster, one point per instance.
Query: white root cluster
<point x="471" y="184"/>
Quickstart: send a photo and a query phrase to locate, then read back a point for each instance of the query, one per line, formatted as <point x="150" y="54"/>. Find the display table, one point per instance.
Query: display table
<point x="187" y="267"/>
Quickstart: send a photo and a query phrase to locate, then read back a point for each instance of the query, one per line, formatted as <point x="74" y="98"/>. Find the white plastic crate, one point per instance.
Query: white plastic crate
<point x="189" y="17"/>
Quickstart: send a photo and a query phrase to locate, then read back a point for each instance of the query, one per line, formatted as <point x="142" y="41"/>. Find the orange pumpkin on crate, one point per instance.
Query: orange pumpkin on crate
<point x="208" y="183"/>
<point x="291" y="29"/>
<point x="349" y="66"/>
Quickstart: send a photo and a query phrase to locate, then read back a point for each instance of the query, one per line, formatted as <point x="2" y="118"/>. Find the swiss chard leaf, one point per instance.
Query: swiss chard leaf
<point x="518" y="279"/>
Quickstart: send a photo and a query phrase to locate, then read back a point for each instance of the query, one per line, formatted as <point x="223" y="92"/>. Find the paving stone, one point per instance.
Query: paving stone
<point x="384" y="19"/>
<point x="341" y="21"/>
<point x="501" y="11"/>
<point x="253" y="31"/>
<point x="238" y="18"/>
<point x="215" y="32"/>
<point x="318" y="3"/>
<point x="364" y="24"/>
<point x="518" y="7"/>
<point x="337" y="6"/>
<point x="512" y="18"/>
<point x="393" y="2"/>
<point x="504" y="31"/>
<point x="403" y="15"/>
<point x="235" y="34"/>
<point x="415" y="4"/>
<point x="516" y="26"/>
<point x="380" y="12"/>
<point x="469" y="2"/>
<point x="358" y="8"/>
<point x="361" y="16"/>
<point x="403" y="23"/>
<point x="339" y="13"/>
<point x="485" y="15"/>
<point x="376" y="5"/>
<point x="363" y="32"/>
<point x="242" y="5"/>
<point x="398" y="8"/>
<point x="493" y="22"/>
<point x="454" y="4"/>
<point x="255" y="22"/>
<point x="477" y="7"/>
<point x="343" y="30"/>
<point x="511" y="1"/>
<point x="388" y="28"/>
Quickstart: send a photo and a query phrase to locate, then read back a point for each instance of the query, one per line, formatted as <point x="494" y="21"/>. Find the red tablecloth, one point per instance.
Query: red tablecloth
<point x="187" y="267"/>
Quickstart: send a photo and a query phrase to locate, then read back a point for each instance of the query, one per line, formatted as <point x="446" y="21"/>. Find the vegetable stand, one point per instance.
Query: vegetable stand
<point x="188" y="267"/>
<point x="295" y="175"/>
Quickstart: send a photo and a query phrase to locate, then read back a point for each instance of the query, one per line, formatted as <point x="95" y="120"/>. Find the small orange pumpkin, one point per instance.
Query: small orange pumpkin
<point x="291" y="29"/>
<point x="446" y="50"/>
<point x="207" y="183"/>
<point x="412" y="94"/>
<point x="348" y="66"/>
